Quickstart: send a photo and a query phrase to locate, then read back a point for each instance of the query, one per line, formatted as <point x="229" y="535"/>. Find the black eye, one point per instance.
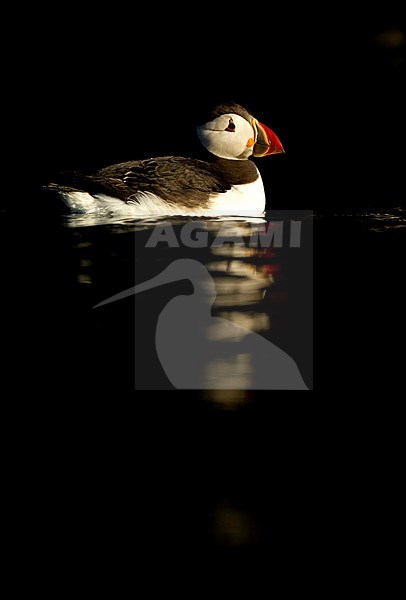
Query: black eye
<point x="230" y="126"/>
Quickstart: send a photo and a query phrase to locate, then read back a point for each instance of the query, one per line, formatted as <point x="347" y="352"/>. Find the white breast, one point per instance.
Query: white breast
<point x="247" y="199"/>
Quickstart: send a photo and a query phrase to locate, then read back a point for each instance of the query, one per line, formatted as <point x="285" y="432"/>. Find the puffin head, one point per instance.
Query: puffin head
<point x="233" y="133"/>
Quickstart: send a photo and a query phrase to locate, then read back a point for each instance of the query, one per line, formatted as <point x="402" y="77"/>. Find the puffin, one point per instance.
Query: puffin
<point x="227" y="183"/>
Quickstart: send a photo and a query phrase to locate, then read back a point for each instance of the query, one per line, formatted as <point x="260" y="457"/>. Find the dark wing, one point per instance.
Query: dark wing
<point x="176" y="179"/>
<point x="173" y="178"/>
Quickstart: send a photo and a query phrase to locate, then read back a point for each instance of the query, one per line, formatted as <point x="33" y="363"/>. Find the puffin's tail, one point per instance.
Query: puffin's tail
<point x="74" y="198"/>
<point x="57" y="188"/>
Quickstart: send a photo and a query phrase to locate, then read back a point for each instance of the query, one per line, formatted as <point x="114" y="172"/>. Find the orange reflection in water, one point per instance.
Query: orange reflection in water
<point x="243" y="277"/>
<point x="232" y="526"/>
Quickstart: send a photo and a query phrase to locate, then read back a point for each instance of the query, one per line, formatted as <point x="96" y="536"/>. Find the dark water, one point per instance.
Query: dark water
<point x="266" y="290"/>
<point x="194" y="469"/>
<point x="63" y="265"/>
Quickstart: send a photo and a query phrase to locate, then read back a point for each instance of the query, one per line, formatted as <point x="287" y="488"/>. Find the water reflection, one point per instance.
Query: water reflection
<point x="220" y="340"/>
<point x="379" y="221"/>
<point x="126" y="223"/>
<point x="233" y="526"/>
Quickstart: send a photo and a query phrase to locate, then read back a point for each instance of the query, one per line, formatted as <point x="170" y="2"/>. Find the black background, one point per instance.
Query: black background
<point x="332" y="88"/>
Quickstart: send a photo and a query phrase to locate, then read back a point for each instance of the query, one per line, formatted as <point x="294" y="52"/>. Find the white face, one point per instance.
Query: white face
<point x="228" y="136"/>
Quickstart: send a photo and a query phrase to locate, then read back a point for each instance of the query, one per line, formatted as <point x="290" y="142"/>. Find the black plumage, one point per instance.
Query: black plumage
<point x="230" y="107"/>
<point x="175" y="179"/>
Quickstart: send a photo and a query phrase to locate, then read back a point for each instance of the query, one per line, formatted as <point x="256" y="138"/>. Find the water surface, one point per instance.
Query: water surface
<point x="266" y="290"/>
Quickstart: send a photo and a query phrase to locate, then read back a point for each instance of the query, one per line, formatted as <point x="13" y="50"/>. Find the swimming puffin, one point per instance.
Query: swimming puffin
<point x="227" y="183"/>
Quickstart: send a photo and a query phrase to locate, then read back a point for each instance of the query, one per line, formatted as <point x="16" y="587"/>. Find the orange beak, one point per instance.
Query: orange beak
<point x="267" y="141"/>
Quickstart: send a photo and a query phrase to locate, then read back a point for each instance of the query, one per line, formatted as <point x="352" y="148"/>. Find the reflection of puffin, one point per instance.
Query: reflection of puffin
<point x="199" y="351"/>
<point x="227" y="183"/>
